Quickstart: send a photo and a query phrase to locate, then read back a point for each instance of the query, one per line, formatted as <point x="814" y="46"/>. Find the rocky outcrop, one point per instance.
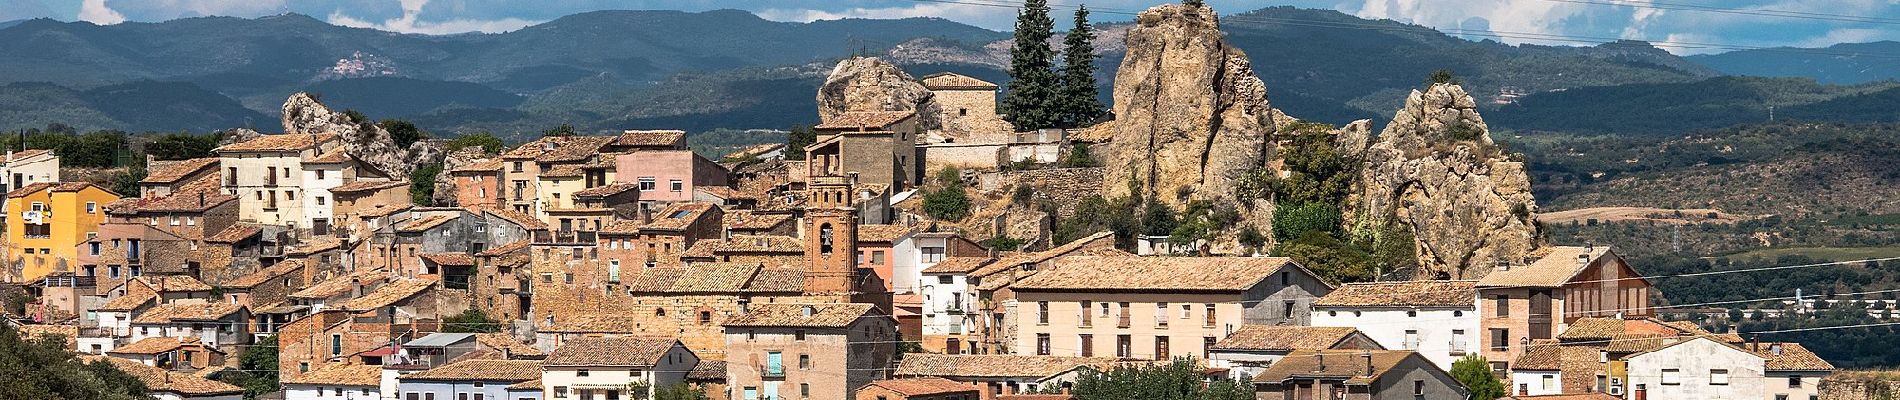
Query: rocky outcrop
<point x="1190" y="116"/>
<point x="870" y="84"/>
<point x="237" y="135"/>
<point x="1435" y="170"/>
<point x="445" y="184"/>
<point x="364" y="141"/>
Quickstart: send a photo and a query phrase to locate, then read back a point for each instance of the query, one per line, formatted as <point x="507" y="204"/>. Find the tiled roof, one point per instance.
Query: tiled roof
<point x="284" y="142"/>
<point x="930" y="386"/>
<point x="575" y="148"/>
<point x="128" y="302"/>
<point x="1594" y="328"/>
<point x="595" y="323"/>
<point x="754" y="150"/>
<point x="1558" y="265"/>
<point x="450" y="259"/>
<point x="752" y="220"/>
<point x="883" y="232"/>
<point x="1012" y="261"/>
<point x="1541" y="355"/>
<point x="951" y="80"/>
<point x="1153" y="274"/>
<point x="33" y="331"/>
<point x="340" y="375"/>
<point x="746" y="244"/>
<point x="54" y="186"/>
<point x="481" y="370"/>
<point x="650" y="138"/>
<point x="314" y="245"/>
<point x="194" y="312"/>
<point x="1403" y="294"/>
<point x="194" y="197"/>
<point x="178" y="170"/>
<point x="28" y="153"/>
<point x="534" y="385"/>
<point x="502" y="341"/>
<point x="29" y="189"/>
<point x="174" y="283"/>
<point x="425" y="223"/>
<point x="258" y="277"/>
<point x="365" y="186"/>
<point x="621" y="227"/>
<point x="873" y="120"/>
<point x="503" y="250"/>
<point x="995" y="365"/>
<point x="525" y="221"/>
<point x="382" y="210"/>
<point x="490" y="165"/>
<point x="609" y="190"/>
<point x="1793" y="357"/>
<point x="387" y="294"/>
<point x="610" y="352"/>
<point x="958" y="265"/>
<point x="340" y="284"/>
<point x="1346" y="365"/>
<point x="777" y="280"/>
<point x="1284" y="338"/>
<point x="826" y="315"/>
<point x="1577" y="396"/>
<point x="677" y="216"/>
<point x="562" y="171"/>
<point x="708" y="370"/>
<point x="160" y="380"/>
<point x="695" y="278"/>
<point x="334" y="156"/>
<point x="236" y="232"/>
<point x="154" y="345"/>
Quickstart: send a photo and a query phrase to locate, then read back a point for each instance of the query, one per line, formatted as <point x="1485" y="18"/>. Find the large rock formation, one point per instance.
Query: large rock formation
<point x="870" y="84"/>
<point x="1435" y="170"/>
<point x="363" y="140"/>
<point x="1190" y="116"/>
<point x="445" y="182"/>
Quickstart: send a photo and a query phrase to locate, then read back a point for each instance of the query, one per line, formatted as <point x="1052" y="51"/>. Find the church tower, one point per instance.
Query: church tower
<point x="831" y="235"/>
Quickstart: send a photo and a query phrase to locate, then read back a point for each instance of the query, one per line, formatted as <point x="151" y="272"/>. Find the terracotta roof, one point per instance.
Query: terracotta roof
<point x="562" y="171"/>
<point x="424" y="223"/>
<point x="609" y="190"/>
<point x="1285" y="338"/>
<point x="28" y="153"/>
<point x="313" y="245"/>
<point x="883" y="232"/>
<point x="708" y="370"/>
<point x="951" y="80"/>
<point x="695" y="278"/>
<point x="1793" y="357"/>
<point x="753" y="220"/>
<point x="995" y="365"/>
<point x="54" y="186"/>
<point x="449" y="259"/>
<point x="503" y="250"/>
<point x="622" y="227"/>
<point x="1556" y="268"/>
<point x="826" y="315"/>
<point x="183" y="312"/>
<point x="911" y="387"/>
<point x="1349" y="366"/>
<point x="340" y="284"/>
<point x="1014" y="260"/>
<point x="1578" y="396"/>
<point x="154" y="345"/>
<point x="595" y="323"/>
<point x="873" y="120"/>
<point x="481" y="370"/>
<point x="32" y="331"/>
<point x="649" y="138"/>
<point x="193" y="197"/>
<point x="534" y="385"/>
<point x="503" y="341"/>
<point x="610" y="352"/>
<point x="29" y="189"/>
<point x="575" y="148"/>
<point x="1595" y="328"/>
<point x="340" y="375"/>
<point x="236" y="232"/>
<point x="1541" y="355"/>
<point x="173" y="283"/>
<point x="365" y="186"/>
<point x="284" y="142"/>
<point x="489" y="165"/>
<point x="677" y="216"/>
<point x="160" y="380"/>
<point x="178" y="170"/>
<point x="524" y="220"/>
<point x="746" y="244"/>
<point x="128" y="302"/>
<point x="382" y="210"/>
<point x="387" y="294"/>
<point x="778" y="280"/>
<point x="1154" y="274"/>
<point x="334" y="156"/>
<point x="1403" y="294"/>
<point x="957" y="265"/>
<point x="261" y="276"/>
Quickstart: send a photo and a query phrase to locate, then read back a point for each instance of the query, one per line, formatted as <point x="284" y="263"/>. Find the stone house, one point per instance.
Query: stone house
<point x="267" y="286"/>
<point x="337" y="382"/>
<point x="745" y="249"/>
<point x="400" y="308"/>
<point x="217" y="325"/>
<point x="500" y="286"/>
<point x="917" y="389"/>
<point x="242" y="248"/>
<point x="584" y="368"/>
<point x="487" y="379"/>
<point x="171" y="177"/>
<point x="480" y="185"/>
<point x="1536" y="301"/>
<point x="167" y="232"/>
<point x="1436" y="319"/>
<point x="880" y="147"/>
<point x="178" y="354"/>
<point x="1155" y="308"/>
<point x="823" y="351"/>
<point x="68" y="294"/>
<point x="1000" y="374"/>
<point x="755" y="222"/>
<point x="1356" y="375"/>
<point x="666" y="237"/>
<point x="267" y="175"/>
<point x="949" y="305"/>
<point x="399" y="246"/>
<point x="351" y="202"/>
<point x="330" y="170"/>
<point x="1252" y="348"/>
<point x="968" y="108"/>
<point x="995" y="300"/>
<point x="664" y="176"/>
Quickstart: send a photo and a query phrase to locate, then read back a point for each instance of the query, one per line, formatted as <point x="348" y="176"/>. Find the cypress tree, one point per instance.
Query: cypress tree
<point x="1079" y="105"/>
<point x="1032" y="88"/>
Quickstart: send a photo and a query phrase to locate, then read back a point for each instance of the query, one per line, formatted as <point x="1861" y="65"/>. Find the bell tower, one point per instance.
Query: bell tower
<point x="831" y="234"/>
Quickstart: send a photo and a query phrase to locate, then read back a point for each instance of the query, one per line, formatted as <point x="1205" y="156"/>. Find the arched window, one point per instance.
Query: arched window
<point x="824" y="239"/>
<point x="659" y="312"/>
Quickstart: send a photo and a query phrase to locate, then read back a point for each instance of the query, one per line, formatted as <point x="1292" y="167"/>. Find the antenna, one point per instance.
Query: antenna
<point x="1675" y="239"/>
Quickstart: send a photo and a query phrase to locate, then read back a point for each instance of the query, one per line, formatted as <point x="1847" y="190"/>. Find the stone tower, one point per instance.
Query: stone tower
<point x="831" y="232"/>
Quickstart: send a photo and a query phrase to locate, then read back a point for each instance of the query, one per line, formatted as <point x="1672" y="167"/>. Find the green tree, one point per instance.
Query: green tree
<point x="487" y="141"/>
<point x="1033" y="85"/>
<point x="126" y="183"/>
<point x="470" y="321"/>
<point x="403" y="132"/>
<point x="44" y="368"/>
<point x="1475" y="373"/>
<point x="1003" y="243"/>
<point x="562" y="130"/>
<point x="1317" y="173"/>
<point x="1291" y="221"/>
<point x="948" y="203"/>
<point x="1078" y="101"/>
<point x="257" y="372"/>
<point x="1080" y="157"/>
<point x="795" y="141"/>
<point x="422" y="184"/>
<point x="1193" y="3"/>
<point x="1177" y="380"/>
<point x="181" y="146"/>
<point x="680" y="392"/>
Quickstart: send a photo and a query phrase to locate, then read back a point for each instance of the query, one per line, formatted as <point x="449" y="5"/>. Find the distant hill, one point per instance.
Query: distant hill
<point x="1677" y="108"/>
<point x="1846" y="63"/>
<point x="134" y="106"/>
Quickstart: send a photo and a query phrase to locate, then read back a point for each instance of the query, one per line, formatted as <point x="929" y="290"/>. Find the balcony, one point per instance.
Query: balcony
<point x="580" y="237"/>
<point x="1457" y="347"/>
<point x="1123" y="321"/>
<point x="772" y="372"/>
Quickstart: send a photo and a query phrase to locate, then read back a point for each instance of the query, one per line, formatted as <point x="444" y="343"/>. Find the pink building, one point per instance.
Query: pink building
<point x="667" y="175"/>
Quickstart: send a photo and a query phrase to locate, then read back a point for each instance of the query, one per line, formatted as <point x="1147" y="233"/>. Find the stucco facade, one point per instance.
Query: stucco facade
<point x="1441" y="335"/>
<point x="668" y="175"/>
<point x="1698" y="368"/>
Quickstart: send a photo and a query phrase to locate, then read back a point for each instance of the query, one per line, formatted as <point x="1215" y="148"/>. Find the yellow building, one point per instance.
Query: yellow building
<point x="46" y="222"/>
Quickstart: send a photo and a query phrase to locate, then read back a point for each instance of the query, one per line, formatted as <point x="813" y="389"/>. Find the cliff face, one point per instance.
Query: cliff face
<point x="1189" y="111"/>
<point x="870" y="84"/>
<point x="365" y="142"/>
<point x="1435" y="170"/>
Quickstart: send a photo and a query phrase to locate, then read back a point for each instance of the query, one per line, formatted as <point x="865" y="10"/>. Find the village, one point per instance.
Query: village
<point x="608" y="266"/>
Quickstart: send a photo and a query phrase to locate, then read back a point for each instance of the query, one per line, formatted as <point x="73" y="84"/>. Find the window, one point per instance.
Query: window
<point x="945" y="280"/>
<point x="1042" y="344"/>
<point x="320" y="200"/>
<point x="804" y="361"/>
<point x="1207" y="345"/>
<point x="1161" y="315"/>
<point x="1286" y="309"/>
<point x="932" y="254"/>
<point x="804" y="390"/>
<point x="336" y="344"/>
<point x="1411" y="339"/>
<point x="560" y="392"/>
<point x="646" y="183"/>
<point x="1794" y="381"/>
<point x="1718" y="377"/>
<point x="1085" y="344"/>
<point x="92" y="207"/>
<point x="676" y="185"/>
<point x="1418" y="387"/>
<point x="320" y="174"/>
<point x="1042" y="312"/>
<point x="581" y="372"/>
<point x="1549" y="382"/>
<point x="517" y="167"/>
<point x="774" y="365"/>
<point x="1161" y="348"/>
<point x="1500" y="340"/>
<point x="798" y="335"/>
<point x="1671" y="376"/>
<point x="1503" y="305"/>
<point x="1211" y="315"/>
<point x="1286" y="278"/>
<point x="94" y="247"/>
<point x="175" y="220"/>
<point x="877" y="257"/>
<point x="1124" y="345"/>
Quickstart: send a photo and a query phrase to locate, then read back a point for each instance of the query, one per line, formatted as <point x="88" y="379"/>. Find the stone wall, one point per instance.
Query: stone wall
<point x="1065" y="186"/>
<point x="961" y="155"/>
<point x="1859" y="388"/>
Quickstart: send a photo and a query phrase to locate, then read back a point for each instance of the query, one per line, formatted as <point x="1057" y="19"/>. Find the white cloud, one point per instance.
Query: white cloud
<point x="987" y="17"/>
<point x="408" y="23"/>
<point x="96" y="11"/>
<point x="1518" y="21"/>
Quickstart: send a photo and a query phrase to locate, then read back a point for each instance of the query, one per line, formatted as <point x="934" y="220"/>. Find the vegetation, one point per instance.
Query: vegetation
<point x="1078" y="103"/>
<point x="796" y="140"/>
<point x="182" y="146"/>
<point x="126" y="183"/>
<point x="1033" y="84"/>
<point x="559" y="130"/>
<point x="97" y="149"/>
<point x="422" y="184"/>
<point x="257" y="369"/>
<point x="404" y="133"/>
<point x="487" y="141"/>
<point x="679" y="392"/>
<point x="471" y="321"/>
<point x="1442" y="76"/>
<point x="1080" y="157"/>
<point x="1475" y="373"/>
<point x="948" y="202"/>
<point x="44" y="368"/>
<point x="1003" y="243"/>
<point x="1177" y="380"/>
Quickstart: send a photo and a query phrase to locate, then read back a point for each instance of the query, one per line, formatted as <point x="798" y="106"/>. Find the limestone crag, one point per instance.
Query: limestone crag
<point x="237" y="135"/>
<point x="1435" y="170"/>
<point x="364" y="141"/>
<point x="444" y="183"/>
<point x="870" y="84"/>
<point x="1190" y="114"/>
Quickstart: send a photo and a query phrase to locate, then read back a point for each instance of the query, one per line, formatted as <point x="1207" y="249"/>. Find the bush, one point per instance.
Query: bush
<point x="1252" y="238"/>
<point x="181" y="146"/>
<point x="1475" y="373"/>
<point x="1465" y="133"/>
<point x="949" y="204"/>
<point x="950" y="176"/>
<point x="1023" y="194"/>
<point x="1442" y="76"/>
<point x="404" y="133"/>
<point x="470" y="321"/>
<point x="796" y="140"/>
<point x="1079" y="157"/>
<point x="422" y="184"/>
<point x="1157" y="219"/>
<point x="1296" y="220"/>
<point x="1003" y="243"/>
<point x="487" y="141"/>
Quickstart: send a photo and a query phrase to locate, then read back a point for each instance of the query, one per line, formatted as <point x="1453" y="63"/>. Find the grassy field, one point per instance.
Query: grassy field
<point x="1824" y="253"/>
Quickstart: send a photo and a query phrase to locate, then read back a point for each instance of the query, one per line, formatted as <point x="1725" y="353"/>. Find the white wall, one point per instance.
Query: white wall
<point x="1436" y="329"/>
<point x="905" y="272"/>
<point x="314" y="188"/>
<point x="1534" y="384"/>
<point x="252" y="176"/>
<point x="328" y="392"/>
<point x="1694" y="360"/>
<point x="937" y="298"/>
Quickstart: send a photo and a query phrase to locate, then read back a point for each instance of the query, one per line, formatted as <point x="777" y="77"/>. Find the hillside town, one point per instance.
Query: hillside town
<point x="626" y="265"/>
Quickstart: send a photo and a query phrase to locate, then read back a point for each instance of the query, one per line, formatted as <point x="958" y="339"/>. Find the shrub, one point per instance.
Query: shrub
<point x="1475" y="373"/>
<point x="1296" y="220"/>
<point x="949" y="203"/>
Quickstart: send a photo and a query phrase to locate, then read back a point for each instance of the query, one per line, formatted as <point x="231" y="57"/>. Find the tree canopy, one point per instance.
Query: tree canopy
<point x="1033" y="84"/>
<point x="1177" y="380"/>
<point x="1077" y="102"/>
<point x="44" y="368"/>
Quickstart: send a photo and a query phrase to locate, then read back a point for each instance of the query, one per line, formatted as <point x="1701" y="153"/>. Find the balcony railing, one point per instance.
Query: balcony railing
<point x="1457" y="347"/>
<point x="772" y="371"/>
<point x="1411" y="344"/>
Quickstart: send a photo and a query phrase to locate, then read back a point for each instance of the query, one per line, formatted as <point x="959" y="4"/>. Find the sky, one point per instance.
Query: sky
<point x="1680" y="26"/>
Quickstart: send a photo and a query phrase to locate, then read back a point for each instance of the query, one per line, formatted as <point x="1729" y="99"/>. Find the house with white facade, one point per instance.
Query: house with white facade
<point x="585" y="368"/>
<point x="329" y="170"/>
<point x="488" y="379"/>
<point x="1437" y="319"/>
<point x="26" y="167"/>
<point x="213" y="324"/>
<point x="1697" y="368"/>
<point x="949" y="304"/>
<point x="267" y="176"/>
<point x="1252" y="348"/>
<point x="335" y="382"/>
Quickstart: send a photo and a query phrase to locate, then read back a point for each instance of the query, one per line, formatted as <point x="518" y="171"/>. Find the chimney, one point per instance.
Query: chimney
<point x="1368" y="355"/>
<point x="1774" y="348"/>
<point x="1321" y="358"/>
<point x="808" y="310"/>
<point x="1754" y="343"/>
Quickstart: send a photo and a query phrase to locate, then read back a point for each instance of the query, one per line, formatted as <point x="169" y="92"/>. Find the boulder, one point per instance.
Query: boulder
<point x="1435" y="170"/>
<point x="363" y="140"/>
<point x="870" y="84"/>
<point x="1191" y="117"/>
<point x="237" y="135"/>
<point x="430" y="151"/>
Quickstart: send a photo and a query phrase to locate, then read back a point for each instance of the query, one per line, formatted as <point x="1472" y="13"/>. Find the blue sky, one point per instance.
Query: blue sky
<point x="1820" y="22"/>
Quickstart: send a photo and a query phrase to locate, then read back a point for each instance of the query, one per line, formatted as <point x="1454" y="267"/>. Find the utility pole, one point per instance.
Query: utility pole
<point x="1675" y="239"/>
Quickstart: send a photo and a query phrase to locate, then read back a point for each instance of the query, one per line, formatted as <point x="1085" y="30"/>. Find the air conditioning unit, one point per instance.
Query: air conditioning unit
<point x="31" y="217"/>
<point x="1616" y="381"/>
<point x="1616" y="391"/>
